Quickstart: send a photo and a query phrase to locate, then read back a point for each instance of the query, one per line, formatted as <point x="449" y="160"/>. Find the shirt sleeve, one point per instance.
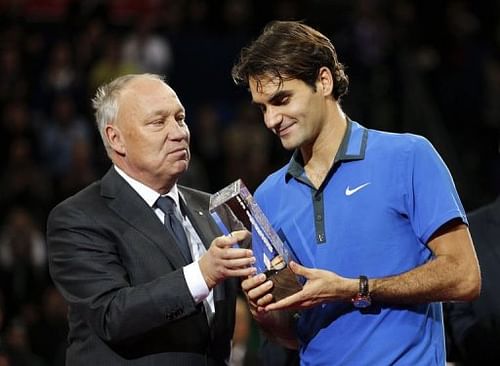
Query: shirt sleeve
<point x="195" y="281"/>
<point x="431" y="196"/>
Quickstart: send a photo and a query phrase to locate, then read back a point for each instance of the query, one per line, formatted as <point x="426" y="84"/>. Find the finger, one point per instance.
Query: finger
<point x="240" y="272"/>
<point x="229" y="241"/>
<point x="222" y="247"/>
<point x="224" y="241"/>
<point x="252" y="282"/>
<point x="300" y="270"/>
<point x="265" y="300"/>
<point x="236" y="236"/>
<point x="261" y="310"/>
<point x="239" y="262"/>
<point x="234" y="253"/>
<point x="286" y="303"/>
<point x="260" y="291"/>
<point x="256" y="289"/>
<point x="240" y="235"/>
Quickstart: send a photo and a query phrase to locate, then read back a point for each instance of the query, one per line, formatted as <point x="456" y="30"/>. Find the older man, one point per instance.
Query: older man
<point x="148" y="279"/>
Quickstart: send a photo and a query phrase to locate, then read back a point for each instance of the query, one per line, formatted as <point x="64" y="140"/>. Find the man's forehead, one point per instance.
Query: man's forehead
<point x="150" y="97"/>
<point x="147" y="88"/>
<point x="267" y="85"/>
<point x="145" y="83"/>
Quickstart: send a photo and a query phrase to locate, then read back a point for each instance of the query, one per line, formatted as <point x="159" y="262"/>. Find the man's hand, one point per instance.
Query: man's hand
<point x="221" y="261"/>
<point x="279" y="326"/>
<point x="321" y="286"/>
<point x="257" y="291"/>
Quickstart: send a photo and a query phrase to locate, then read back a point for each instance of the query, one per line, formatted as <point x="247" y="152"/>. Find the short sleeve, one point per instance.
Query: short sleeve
<point x="431" y="197"/>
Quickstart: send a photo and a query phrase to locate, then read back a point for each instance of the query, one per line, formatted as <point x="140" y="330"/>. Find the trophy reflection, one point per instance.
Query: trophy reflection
<point x="271" y="252"/>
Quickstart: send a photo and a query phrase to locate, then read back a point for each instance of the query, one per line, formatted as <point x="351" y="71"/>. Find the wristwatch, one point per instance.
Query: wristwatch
<point x="362" y="299"/>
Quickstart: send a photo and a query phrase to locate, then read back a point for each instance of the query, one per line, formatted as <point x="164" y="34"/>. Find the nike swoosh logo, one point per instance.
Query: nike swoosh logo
<point x="349" y="191"/>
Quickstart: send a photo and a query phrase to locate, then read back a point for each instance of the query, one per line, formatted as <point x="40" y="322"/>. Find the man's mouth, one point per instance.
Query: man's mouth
<point x="183" y="152"/>
<point x="284" y="130"/>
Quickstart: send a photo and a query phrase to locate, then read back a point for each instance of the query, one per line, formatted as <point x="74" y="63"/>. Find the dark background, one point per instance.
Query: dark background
<point x="426" y="67"/>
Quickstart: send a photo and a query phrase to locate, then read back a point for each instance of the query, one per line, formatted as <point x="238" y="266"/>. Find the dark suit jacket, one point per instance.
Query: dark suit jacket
<point x="475" y="326"/>
<point x="121" y="274"/>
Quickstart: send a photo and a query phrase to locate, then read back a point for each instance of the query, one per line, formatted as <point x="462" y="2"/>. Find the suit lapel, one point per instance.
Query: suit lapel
<point x="200" y="218"/>
<point x="199" y="215"/>
<point x="127" y="204"/>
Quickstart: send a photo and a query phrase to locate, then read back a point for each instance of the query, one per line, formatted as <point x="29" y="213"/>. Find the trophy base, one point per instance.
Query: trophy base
<point x="285" y="283"/>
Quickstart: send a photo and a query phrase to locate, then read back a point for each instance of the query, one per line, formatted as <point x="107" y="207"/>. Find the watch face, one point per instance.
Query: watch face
<point x="361" y="301"/>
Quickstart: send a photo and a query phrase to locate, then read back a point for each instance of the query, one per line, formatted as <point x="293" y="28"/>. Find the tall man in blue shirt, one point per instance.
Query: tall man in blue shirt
<point x="373" y="217"/>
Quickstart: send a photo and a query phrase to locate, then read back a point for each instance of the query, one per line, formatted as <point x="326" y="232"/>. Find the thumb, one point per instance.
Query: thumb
<point x="299" y="269"/>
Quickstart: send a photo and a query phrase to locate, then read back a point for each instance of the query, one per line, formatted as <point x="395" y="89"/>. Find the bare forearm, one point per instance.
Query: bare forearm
<point x="441" y="279"/>
<point x="453" y="274"/>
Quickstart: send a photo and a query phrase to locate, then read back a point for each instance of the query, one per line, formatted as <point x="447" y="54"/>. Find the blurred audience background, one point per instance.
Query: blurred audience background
<point x="431" y="68"/>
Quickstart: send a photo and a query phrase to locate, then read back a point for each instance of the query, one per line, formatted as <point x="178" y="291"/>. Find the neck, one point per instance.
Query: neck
<point x="156" y="183"/>
<point x="319" y="155"/>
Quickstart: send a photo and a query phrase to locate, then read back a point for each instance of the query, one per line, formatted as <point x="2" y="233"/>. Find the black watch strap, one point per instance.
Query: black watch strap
<point x="362" y="299"/>
<point x="363" y="286"/>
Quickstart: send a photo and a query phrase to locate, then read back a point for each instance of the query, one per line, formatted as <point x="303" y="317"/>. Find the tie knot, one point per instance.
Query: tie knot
<point x="166" y="204"/>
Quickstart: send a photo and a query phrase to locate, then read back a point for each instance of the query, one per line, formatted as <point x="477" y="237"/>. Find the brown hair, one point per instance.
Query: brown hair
<point x="290" y="50"/>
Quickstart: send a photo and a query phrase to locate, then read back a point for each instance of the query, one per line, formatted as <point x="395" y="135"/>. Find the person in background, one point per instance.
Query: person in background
<point x="475" y="326"/>
<point x="146" y="274"/>
<point x="373" y="217"/>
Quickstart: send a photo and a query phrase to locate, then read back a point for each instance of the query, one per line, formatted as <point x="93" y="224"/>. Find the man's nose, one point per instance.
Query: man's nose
<point x="272" y="117"/>
<point x="178" y="131"/>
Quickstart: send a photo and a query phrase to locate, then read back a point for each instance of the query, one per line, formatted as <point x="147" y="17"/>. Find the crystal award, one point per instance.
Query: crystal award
<point x="271" y="252"/>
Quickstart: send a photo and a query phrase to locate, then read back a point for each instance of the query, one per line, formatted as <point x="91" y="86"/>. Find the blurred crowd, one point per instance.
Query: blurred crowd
<point x="431" y="68"/>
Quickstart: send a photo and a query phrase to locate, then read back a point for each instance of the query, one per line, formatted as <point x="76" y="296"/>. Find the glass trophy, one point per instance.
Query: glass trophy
<point x="271" y="252"/>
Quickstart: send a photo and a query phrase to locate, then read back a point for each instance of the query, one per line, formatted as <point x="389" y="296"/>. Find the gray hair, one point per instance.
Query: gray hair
<point x="105" y="102"/>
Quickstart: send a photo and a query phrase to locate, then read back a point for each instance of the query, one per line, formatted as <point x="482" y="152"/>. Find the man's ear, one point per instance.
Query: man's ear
<point x="114" y="138"/>
<point x="324" y="83"/>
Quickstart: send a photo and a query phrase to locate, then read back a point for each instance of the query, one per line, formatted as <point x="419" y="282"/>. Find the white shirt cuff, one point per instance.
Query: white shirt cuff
<point x="195" y="281"/>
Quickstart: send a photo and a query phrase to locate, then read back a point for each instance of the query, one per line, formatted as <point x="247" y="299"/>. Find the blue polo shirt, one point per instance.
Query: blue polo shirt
<point x="384" y="197"/>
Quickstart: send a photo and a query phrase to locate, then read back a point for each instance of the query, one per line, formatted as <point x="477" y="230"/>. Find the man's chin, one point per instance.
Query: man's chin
<point x="182" y="166"/>
<point x="175" y="170"/>
<point x="288" y="144"/>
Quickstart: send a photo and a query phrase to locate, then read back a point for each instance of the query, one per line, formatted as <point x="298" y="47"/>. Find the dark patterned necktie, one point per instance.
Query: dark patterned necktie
<point x="173" y="224"/>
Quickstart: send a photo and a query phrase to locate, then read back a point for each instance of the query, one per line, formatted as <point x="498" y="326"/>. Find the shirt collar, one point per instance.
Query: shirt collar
<point x="352" y="147"/>
<point x="148" y="194"/>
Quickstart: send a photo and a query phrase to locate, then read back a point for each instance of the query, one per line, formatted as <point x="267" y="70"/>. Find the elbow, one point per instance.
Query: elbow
<point x="476" y="290"/>
<point x="116" y="338"/>
<point x="471" y="285"/>
<point x="472" y="293"/>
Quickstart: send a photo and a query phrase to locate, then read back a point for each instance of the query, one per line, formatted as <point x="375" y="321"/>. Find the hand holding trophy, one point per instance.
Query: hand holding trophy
<point x="272" y="253"/>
